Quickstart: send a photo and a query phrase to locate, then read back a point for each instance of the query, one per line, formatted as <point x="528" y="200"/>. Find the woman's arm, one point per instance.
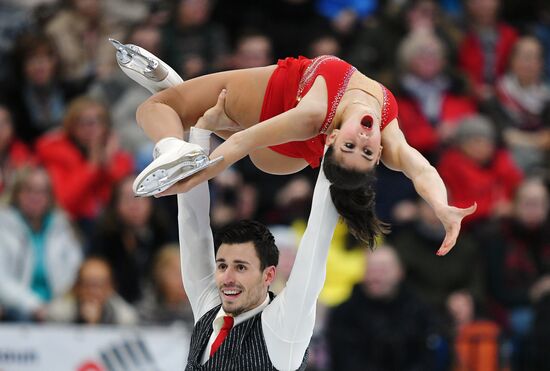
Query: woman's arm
<point x="397" y="154"/>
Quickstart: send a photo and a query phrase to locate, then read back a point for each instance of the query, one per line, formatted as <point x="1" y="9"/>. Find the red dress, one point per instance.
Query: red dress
<point x="292" y="80"/>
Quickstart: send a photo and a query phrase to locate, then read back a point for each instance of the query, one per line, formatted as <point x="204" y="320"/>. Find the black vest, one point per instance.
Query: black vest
<point x="244" y="349"/>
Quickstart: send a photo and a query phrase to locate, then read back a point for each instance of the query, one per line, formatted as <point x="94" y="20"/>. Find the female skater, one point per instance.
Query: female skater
<point x="282" y="116"/>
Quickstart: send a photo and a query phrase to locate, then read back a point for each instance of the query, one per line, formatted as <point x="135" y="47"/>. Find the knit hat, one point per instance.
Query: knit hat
<point x="474" y="127"/>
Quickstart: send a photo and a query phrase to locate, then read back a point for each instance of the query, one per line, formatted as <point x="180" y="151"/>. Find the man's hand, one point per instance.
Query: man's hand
<point x="451" y="217"/>
<point x="215" y="118"/>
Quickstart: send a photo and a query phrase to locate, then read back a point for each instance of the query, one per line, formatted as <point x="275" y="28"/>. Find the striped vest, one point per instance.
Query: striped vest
<point x="244" y="349"/>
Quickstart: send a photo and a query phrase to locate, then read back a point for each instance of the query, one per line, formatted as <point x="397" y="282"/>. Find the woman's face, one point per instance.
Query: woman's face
<point x="91" y="127"/>
<point x="428" y="62"/>
<point x="357" y="143"/>
<point x="40" y="68"/>
<point x="34" y="198"/>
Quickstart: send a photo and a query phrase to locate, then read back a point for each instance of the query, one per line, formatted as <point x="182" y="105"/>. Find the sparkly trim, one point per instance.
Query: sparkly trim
<point x="385" y="108"/>
<point x="310" y="72"/>
<point x="336" y="101"/>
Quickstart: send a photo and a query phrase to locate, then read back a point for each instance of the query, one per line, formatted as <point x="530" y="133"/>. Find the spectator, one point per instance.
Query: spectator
<point x="431" y="99"/>
<point x="524" y="106"/>
<point x="13" y="153"/>
<point x="486" y="48"/>
<point x="253" y="49"/>
<point x="80" y="32"/>
<point x="166" y="302"/>
<point x="476" y="340"/>
<point x="128" y="235"/>
<point x="374" y="49"/>
<point x="93" y="299"/>
<point x="434" y="278"/>
<point x="324" y="44"/>
<point x="84" y="160"/>
<point x="537" y="357"/>
<point x="37" y="95"/>
<point x="192" y="43"/>
<point x="39" y="252"/>
<point x="519" y="256"/>
<point x="475" y="170"/>
<point x="383" y="326"/>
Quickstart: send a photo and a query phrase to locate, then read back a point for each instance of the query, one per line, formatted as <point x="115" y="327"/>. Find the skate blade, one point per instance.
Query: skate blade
<point x="160" y="180"/>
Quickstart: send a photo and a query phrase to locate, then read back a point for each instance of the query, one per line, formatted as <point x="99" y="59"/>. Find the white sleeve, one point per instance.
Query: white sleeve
<point x="197" y="247"/>
<point x="288" y="321"/>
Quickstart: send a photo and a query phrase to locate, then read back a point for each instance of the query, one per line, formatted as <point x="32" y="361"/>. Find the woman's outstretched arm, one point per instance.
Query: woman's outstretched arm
<point x="397" y="154"/>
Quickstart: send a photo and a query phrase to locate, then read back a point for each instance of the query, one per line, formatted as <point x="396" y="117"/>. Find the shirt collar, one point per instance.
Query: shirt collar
<point x="218" y="321"/>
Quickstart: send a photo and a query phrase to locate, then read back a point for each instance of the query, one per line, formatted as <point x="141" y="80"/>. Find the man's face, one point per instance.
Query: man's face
<point x="241" y="283"/>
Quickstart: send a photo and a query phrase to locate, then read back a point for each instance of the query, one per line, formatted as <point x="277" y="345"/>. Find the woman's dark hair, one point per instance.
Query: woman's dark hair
<point x="353" y="195"/>
<point x="251" y="231"/>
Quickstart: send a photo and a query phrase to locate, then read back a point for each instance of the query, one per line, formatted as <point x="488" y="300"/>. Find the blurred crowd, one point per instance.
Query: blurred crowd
<point x="472" y="80"/>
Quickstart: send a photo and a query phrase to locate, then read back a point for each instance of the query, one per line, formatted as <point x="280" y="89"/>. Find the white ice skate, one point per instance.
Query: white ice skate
<point x="144" y="67"/>
<point x="179" y="161"/>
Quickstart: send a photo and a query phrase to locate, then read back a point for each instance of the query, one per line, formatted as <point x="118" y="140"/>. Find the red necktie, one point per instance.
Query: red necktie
<point x="227" y="324"/>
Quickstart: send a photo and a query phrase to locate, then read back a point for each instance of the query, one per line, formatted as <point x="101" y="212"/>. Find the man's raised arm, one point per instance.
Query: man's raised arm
<point x="196" y="241"/>
<point x="288" y="321"/>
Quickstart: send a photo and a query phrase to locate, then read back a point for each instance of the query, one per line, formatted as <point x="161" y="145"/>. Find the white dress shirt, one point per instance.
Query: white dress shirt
<point x="287" y="321"/>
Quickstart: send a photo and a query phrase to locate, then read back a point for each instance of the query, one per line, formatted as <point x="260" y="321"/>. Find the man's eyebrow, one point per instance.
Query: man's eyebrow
<point x="222" y="260"/>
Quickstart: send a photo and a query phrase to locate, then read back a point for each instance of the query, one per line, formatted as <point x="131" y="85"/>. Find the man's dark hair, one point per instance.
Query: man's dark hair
<point x="251" y="231"/>
<point x="353" y="195"/>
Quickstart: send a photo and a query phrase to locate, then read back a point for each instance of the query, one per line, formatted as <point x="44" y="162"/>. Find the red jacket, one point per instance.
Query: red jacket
<point x="468" y="182"/>
<point x="419" y="131"/>
<point x="80" y="187"/>
<point x="470" y="53"/>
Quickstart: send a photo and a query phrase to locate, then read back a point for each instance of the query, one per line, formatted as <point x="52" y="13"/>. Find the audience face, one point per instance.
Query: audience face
<point x="6" y="129"/>
<point x="34" y="196"/>
<point x="133" y="211"/>
<point x="527" y="61"/>
<point x="148" y="38"/>
<point x="39" y="68"/>
<point x="483" y="12"/>
<point x="422" y="15"/>
<point x="241" y="283"/>
<point x="94" y="284"/>
<point x="253" y="51"/>
<point x="422" y="54"/>
<point x="460" y="305"/>
<point x="193" y="12"/>
<point x="326" y="45"/>
<point x="383" y="273"/>
<point x="89" y="8"/>
<point x="90" y="128"/>
<point x="428" y="61"/>
<point x="480" y="149"/>
<point x="532" y="203"/>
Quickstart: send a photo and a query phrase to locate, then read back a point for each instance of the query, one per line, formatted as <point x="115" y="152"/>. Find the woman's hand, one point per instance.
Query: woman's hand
<point x="451" y="217"/>
<point x="215" y="118"/>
